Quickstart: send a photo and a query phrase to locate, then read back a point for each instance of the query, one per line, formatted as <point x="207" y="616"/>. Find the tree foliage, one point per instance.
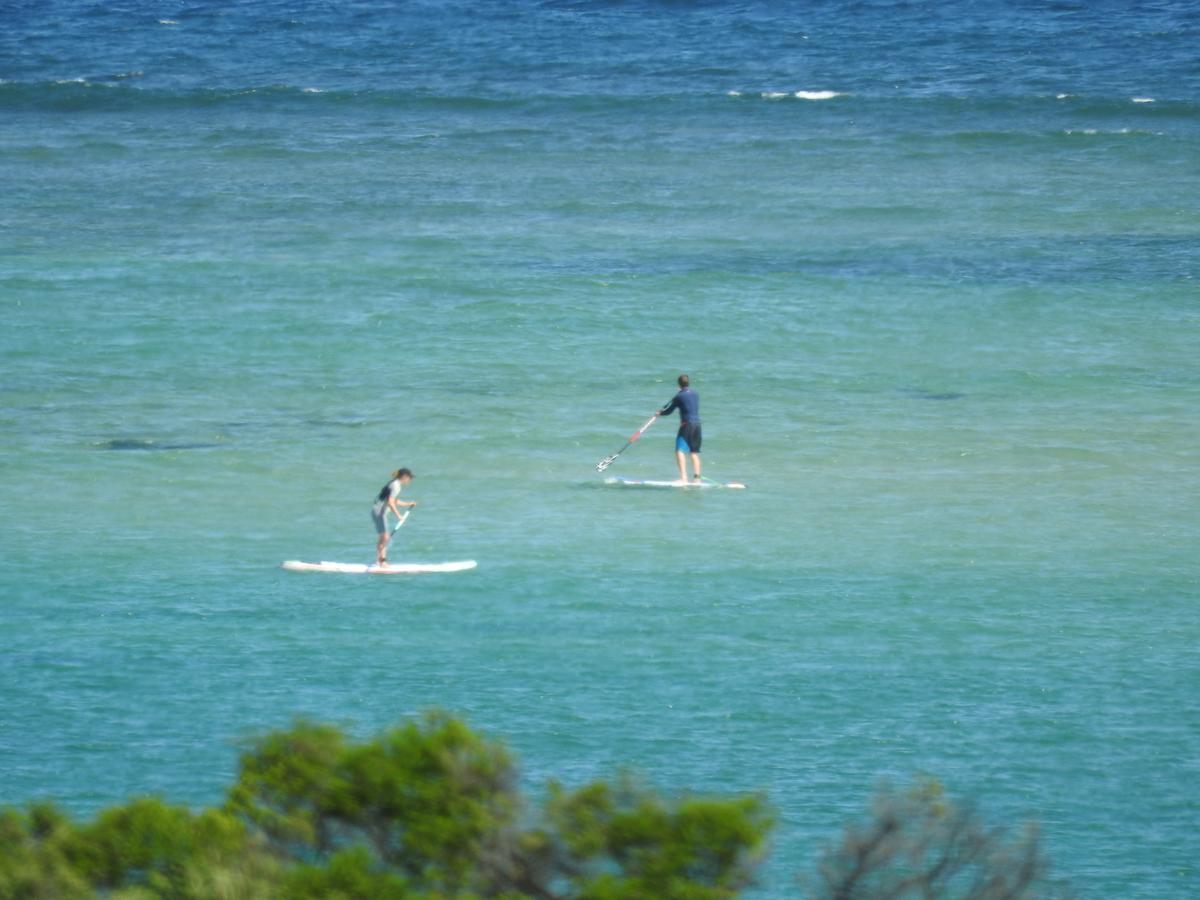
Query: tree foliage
<point x="918" y="844"/>
<point x="431" y="809"/>
<point x="143" y="849"/>
<point x="428" y="809"/>
<point x="426" y="800"/>
<point x="623" y="841"/>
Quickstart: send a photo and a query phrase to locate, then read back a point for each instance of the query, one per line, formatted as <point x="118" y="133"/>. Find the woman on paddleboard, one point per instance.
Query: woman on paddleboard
<point x="385" y="501"/>
<point x="687" y="441"/>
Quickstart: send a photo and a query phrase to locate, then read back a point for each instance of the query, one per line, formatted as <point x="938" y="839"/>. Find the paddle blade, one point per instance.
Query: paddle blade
<point x="605" y="463"/>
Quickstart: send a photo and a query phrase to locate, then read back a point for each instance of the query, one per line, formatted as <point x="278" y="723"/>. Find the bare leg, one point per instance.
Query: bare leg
<point x="381" y="549"/>
<point x="696" y="466"/>
<point x="681" y="459"/>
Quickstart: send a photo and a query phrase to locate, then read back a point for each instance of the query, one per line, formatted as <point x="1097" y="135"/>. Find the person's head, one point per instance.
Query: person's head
<point x="684" y="381"/>
<point x="405" y="475"/>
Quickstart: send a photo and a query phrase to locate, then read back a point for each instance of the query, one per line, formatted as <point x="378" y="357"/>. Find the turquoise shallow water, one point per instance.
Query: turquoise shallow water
<point x="943" y="325"/>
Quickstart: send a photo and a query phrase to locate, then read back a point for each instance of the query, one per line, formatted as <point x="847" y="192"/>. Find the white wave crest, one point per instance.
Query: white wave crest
<point x="1117" y="131"/>
<point x="798" y="95"/>
<point x="1142" y="99"/>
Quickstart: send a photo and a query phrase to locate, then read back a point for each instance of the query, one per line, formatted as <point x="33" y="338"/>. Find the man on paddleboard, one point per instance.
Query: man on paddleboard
<point x="387" y="500"/>
<point x="687" y="441"/>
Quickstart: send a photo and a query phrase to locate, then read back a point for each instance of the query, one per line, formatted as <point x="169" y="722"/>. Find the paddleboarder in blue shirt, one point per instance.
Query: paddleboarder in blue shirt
<point x="687" y="441"/>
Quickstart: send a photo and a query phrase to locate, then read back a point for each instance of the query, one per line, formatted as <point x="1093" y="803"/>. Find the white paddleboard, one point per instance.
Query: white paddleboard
<point x="682" y="485"/>
<point x="294" y="565"/>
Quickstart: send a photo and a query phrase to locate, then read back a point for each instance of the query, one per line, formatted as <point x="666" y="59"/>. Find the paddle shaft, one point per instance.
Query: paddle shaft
<point x="609" y="460"/>
<point x="399" y="522"/>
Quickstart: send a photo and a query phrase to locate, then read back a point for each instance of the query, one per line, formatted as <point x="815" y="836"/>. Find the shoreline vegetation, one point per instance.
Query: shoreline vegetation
<point x="430" y="808"/>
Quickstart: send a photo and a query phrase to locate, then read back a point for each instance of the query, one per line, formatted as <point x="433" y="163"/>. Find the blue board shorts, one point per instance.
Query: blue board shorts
<point x="688" y="439"/>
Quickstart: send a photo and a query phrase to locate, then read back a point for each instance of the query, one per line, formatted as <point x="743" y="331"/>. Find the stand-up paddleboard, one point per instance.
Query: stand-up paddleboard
<point x="294" y="565"/>
<point x="681" y="485"/>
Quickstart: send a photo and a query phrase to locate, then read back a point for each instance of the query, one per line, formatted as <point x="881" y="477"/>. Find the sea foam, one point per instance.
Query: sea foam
<point x="798" y="95"/>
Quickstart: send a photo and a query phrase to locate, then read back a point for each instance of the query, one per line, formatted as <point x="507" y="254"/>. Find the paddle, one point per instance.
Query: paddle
<point x="609" y="460"/>
<point x="400" y="521"/>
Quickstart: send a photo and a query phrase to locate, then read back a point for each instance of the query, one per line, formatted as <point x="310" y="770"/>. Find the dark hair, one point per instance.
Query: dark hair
<point x="400" y="473"/>
<point x="684" y="381"/>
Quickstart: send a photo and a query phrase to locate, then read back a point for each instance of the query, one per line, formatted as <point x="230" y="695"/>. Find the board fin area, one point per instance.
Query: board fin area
<point x="678" y="485"/>
<point x="398" y="568"/>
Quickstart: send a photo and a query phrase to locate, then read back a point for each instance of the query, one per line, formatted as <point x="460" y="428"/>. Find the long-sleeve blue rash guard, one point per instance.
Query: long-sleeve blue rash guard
<point x="687" y="402"/>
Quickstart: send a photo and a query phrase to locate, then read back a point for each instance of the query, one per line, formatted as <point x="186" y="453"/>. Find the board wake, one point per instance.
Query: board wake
<point x="679" y="485"/>
<point x="294" y="565"/>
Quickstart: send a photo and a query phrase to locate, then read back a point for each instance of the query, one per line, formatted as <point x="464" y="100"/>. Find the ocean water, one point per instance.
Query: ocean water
<point x="932" y="271"/>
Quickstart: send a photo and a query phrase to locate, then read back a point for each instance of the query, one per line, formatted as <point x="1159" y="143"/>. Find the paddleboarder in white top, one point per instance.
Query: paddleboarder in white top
<point x="687" y="441"/>
<point x="386" y="500"/>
